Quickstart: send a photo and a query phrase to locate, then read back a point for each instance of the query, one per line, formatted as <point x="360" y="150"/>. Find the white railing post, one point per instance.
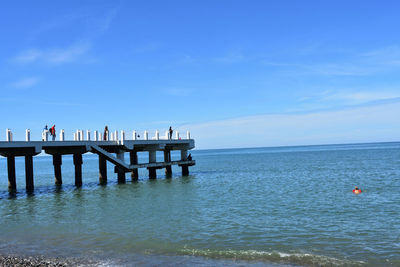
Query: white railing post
<point x="146" y="135"/>
<point x="28" y="135"/>
<point x="157" y="135"/>
<point x="122" y="137"/>
<point x="167" y="135"/>
<point x="111" y="137"/>
<point x="134" y="136"/>
<point x="45" y="135"/>
<point x="82" y="136"/>
<point x="115" y="135"/>
<point x="99" y="139"/>
<point x="77" y="135"/>
<point x="62" y="135"/>
<point x="95" y="135"/>
<point x="8" y="135"/>
<point x="88" y="135"/>
<point x="188" y="135"/>
<point x="177" y="135"/>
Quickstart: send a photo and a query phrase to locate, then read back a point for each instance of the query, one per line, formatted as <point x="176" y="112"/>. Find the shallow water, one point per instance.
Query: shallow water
<point x="263" y="206"/>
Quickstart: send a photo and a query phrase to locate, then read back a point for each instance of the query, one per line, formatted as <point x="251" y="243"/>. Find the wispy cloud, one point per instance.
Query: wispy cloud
<point x="373" y="123"/>
<point x="92" y="21"/>
<point x="350" y="97"/>
<point x="53" y="56"/>
<point x="346" y="63"/>
<point x="25" y="82"/>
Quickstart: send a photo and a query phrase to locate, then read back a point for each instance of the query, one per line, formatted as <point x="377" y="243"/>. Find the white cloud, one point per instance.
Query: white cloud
<point x="25" y="82"/>
<point x="359" y="124"/>
<point x="53" y="56"/>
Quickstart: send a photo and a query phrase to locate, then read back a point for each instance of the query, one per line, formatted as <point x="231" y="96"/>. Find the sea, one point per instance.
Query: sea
<point x="273" y="206"/>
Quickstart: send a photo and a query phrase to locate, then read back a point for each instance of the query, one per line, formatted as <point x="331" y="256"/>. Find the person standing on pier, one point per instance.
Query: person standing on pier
<point x="170" y="132"/>
<point x="105" y="135"/>
<point x="53" y="132"/>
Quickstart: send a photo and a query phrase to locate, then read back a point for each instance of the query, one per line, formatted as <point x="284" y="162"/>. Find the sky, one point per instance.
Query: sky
<point x="233" y="73"/>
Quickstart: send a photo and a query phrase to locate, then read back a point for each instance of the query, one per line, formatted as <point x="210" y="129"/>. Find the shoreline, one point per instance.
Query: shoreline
<point x="27" y="261"/>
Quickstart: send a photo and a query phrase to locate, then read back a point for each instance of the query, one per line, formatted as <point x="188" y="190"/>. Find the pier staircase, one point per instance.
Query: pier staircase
<point x="118" y="162"/>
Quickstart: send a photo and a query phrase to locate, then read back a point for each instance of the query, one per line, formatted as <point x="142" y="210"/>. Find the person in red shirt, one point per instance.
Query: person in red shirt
<point x="53" y="132"/>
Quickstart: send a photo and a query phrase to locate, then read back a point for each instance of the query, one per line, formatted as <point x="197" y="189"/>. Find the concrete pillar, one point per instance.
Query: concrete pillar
<point x="62" y="135"/>
<point x="45" y="135"/>
<point x="27" y="135"/>
<point x="134" y="160"/>
<point x="88" y="135"/>
<point x="78" y="169"/>
<point x="167" y="158"/>
<point x="95" y="136"/>
<point x="146" y="135"/>
<point x="152" y="158"/>
<point x="122" y="137"/>
<point x="120" y="172"/>
<point x="29" y="173"/>
<point x="12" y="185"/>
<point x="185" y="168"/>
<point x="57" y="161"/>
<point x="102" y="170"/>
<point x="8" y="135"/>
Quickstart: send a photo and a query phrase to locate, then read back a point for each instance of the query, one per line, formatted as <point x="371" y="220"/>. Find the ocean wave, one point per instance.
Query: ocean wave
<point x="272" y="257"/>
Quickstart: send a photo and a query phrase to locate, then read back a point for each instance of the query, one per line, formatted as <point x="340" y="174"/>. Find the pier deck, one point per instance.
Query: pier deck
<point x="112" y="151"/>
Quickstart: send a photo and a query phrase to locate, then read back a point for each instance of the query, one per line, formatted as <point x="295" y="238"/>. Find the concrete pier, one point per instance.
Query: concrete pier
<point x="29" y="173"/>
<point x="168" y="168"/>
<point x="112" y="151"/>
<point x="133" y="161"/>
<point x="78" y="169"/>
<point x="12" y="185"/>
<point x="57" y="161"/>
<point x="102" y="170"/>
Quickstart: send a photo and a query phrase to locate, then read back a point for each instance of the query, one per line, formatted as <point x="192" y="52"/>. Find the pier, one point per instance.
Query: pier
<point x="112" y="149"/>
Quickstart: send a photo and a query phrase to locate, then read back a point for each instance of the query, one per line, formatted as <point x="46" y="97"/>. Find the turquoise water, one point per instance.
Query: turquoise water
<point x="263" y="206"/>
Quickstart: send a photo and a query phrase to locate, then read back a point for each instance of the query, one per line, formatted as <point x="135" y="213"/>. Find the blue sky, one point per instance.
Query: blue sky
<point x="235" y="73"/>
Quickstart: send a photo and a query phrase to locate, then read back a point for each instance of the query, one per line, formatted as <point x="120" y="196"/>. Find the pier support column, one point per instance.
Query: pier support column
<point x="167" y="158"/>
<point x="120" y="172"/>
<point x="78" y="169"/>
<point x="134" y="160"/>
<point x="57" y="161"/>
<point x="102" y="170"/>
<point x="12" y="185"/>
<point x="185" y="168"/>
<point x="152" y="158"/>
<point x="29" y="173"/>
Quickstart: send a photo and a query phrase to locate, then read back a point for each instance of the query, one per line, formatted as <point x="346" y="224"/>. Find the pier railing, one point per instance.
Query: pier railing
<point x="88" y="135"/>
